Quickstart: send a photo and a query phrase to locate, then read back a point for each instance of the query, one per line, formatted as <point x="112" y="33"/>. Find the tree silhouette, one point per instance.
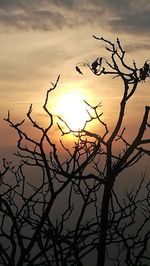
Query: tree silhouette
<point x="73" y="212"/>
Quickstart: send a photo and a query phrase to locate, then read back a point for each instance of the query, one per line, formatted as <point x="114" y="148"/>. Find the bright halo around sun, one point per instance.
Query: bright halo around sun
<point x="72" y="109"/>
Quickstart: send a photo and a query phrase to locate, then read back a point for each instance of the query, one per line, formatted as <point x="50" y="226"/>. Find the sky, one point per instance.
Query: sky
<point x="40" y="39"/>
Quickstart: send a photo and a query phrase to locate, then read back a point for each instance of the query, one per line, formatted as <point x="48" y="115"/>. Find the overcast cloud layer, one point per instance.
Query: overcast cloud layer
<point x="119" y="15"/>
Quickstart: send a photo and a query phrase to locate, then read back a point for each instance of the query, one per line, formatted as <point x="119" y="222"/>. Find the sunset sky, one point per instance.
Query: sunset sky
<point x="40" y="39"/>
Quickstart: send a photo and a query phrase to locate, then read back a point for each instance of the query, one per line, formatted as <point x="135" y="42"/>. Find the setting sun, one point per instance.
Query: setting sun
<point x="72" y="109"/>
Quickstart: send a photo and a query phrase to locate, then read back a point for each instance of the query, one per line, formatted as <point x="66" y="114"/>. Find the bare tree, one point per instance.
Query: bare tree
<point x="130" y="76"/>
<point x="133" y="151"/>
<point x="92" y="218"/>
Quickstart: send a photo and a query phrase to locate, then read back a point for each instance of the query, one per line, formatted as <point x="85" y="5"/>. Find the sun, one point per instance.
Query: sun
<point x="72" y="109"/>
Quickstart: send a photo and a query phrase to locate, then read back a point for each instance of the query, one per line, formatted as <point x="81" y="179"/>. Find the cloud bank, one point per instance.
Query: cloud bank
<point x="122" y="16"/>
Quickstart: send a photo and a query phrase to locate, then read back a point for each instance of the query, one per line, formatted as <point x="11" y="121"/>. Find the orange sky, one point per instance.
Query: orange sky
<point x="41" y="39"/>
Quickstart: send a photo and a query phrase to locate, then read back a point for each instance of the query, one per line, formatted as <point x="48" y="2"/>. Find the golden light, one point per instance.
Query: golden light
<point x="72" y="109"/>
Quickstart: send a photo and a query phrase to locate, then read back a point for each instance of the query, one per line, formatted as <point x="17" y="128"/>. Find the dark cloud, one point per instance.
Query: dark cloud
<point x="9" y="3"/>
<point x="29" y="15"/>
<point x="42" y="20"/>
<point x="66" y="3"/>
<point x="47" y="15"/>
<point x="116" y="6"/>
<point x="132" y="23"/>
<point x="126" y="16"/>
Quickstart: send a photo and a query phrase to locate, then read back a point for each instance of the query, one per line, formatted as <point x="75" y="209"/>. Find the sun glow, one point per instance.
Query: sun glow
<point x="72" y="109"/>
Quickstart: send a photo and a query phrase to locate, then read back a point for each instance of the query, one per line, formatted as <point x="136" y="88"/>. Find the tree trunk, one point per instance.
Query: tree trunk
<point x="104" y="223"/>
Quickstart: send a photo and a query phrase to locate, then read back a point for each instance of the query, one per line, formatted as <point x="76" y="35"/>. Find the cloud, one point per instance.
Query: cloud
<point x="115" y="6"/>
<point x="49" y="15"/>
<point x="127" y="16"/>
<point x="136" y="47"/>
<point x="21" y="15"/>
<point x="132" y="23"/>
<point x="46" y="15"/>
<point x="52" y="14"/>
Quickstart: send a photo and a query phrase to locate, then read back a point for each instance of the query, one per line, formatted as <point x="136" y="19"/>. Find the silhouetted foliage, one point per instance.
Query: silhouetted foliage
<point x="78" y="69"/>
<point x="144" y="71"/>
<point x="74" y="211"/>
